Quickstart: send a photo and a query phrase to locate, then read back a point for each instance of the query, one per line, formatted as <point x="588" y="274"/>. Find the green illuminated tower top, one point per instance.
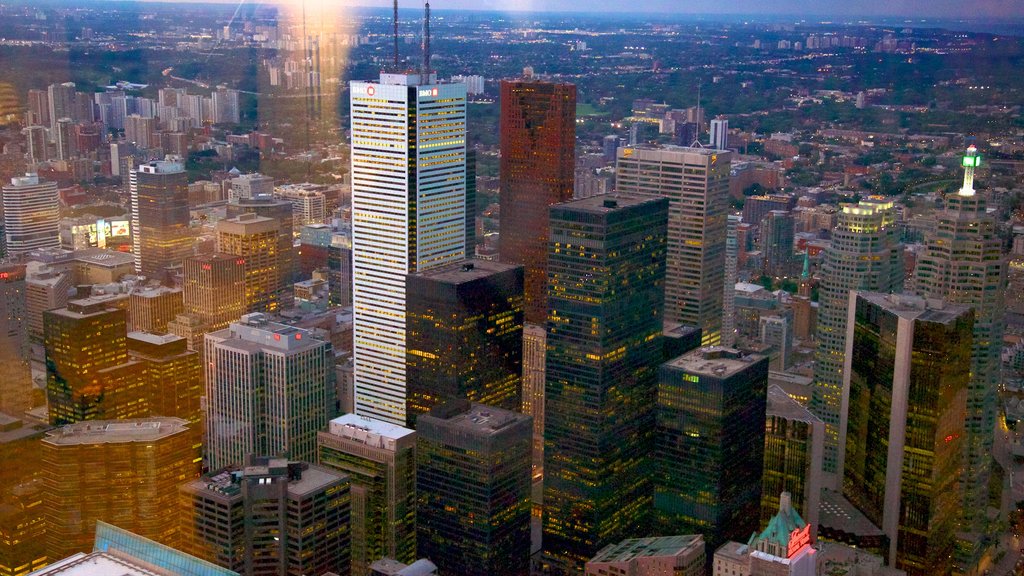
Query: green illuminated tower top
<point x="971" y="161"/>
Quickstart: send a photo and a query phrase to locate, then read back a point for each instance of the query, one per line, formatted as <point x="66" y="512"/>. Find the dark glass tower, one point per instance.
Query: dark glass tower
<point x="709" y="444"/>
<point x="473" y="481"/>
<point x="538" y="162"/>
<point x="464" y="336"/>
<point x="606" y="274"/>
<point x="908" y="371"/>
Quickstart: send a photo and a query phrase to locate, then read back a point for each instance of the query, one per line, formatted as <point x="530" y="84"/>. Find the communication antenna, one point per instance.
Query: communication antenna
<point x="426" y="39"/>
<point x="396" y="35"/>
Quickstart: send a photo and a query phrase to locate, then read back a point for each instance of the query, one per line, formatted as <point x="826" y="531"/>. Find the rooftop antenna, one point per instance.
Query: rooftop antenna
<point x="426" y="39"/>
<point x="696" y="135"/>
<point x="396" y="35"/>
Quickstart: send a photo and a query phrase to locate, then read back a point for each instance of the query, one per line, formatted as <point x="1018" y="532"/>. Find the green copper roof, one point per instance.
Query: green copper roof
<point x="782" y="524"/>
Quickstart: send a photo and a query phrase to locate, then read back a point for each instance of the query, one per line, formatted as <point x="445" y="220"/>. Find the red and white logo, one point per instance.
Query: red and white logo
<point x="370" y="90"/>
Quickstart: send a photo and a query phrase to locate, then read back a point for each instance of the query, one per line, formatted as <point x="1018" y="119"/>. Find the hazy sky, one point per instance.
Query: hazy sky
<point x="918" y="8"/>
<point x="965" y="9"/>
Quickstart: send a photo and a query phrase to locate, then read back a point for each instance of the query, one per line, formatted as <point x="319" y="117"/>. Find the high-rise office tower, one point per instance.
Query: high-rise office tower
<point x="281" y="212"/>
<point x="380" y="460"/>
<point x="151" y="308"/>
<point x="269" y="389"/>
<point x="272" y="517"/>
<point x="81" y="341"/>
<point x="408" y="215"/>
<point x="471" y="236"/>
<point x="606" y="274"/>
<point x="36" y="144"/>
<point x="16" y="388"/>
<point x="39" y="108"/>
<point x="31" y="214"/>
<point x="963" y="264"/>
<point x="709" y="444"/>
<point x="908" y="364"/>
<point x="865" y="255"/>
<point x="538" y="160"/>
<point x="254" y="240"/>
<point x="794" y="442"/>
<point x="64" y="139"/>
<point x="731" y="276"/>
<point x="125" y="472"/>
<point x="534" y="356"/>
<point x="696" y="182"/>
<point x="173" y="379"/>
<point x="464" y="336"/>
<point x="251" y="186"/>
<point x="23" y="526"/>
<point x="213" y="296"/>
<point x="473" y="485"/>
<point x="776" y="241"/>
<point x="160" y="219"/>
<point x="61" y="100"/>
<point x="720" y="133"/>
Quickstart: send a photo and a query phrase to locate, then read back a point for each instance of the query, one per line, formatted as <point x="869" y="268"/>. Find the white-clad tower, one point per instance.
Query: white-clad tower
<point x="408" y="215"/>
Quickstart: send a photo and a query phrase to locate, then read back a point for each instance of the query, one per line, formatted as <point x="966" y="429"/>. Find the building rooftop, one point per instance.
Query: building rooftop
<point x="96" y="564"/>
<point x="733" y="551"/>
<point x="717" y="361"/>
<point x="477" y="419"/>
<point x="154" y="291"/>
<point x="365" y="429"/>
<point x="150" y="338"/>
<point x="115" y="431"/>
<point x="605" y="203"/>
<point x="649" y="547"/>
<point x="13" y="429"/>
<point x="102" y="257"/>
<point x="466" y="271"/>
<point x="421" y="567"/>
<point x="255" y="332"/>
<point x="914" y="307"/>
<point x="782" y="404"/>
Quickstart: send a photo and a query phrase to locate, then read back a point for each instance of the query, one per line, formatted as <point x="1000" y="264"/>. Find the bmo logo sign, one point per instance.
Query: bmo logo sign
<point x="428" y="92"/>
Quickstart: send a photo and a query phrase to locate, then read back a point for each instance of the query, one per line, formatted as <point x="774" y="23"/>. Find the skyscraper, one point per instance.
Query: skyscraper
<point x="31" y="214"/>
<point x="272" y="517"/>
<point x="36" y="144"/>
<point x="269" y="389"/>
<point x="213" y="296"/>
<point x="464" y="336"/>
<point x="777" y="243"/>
<point x="16" y="386"/>
<point x="280" y="211"/>
<point x="253" y="240"/>
<point x="473" y="485"/>
<point x="408" y="215"/>
<point x="61" y="100"/>
<point x="380" y="460"/>
<point x="151" y="308"/>
<point x="149" y="458"/>
<point x="731" y="275"/>
<point x="696" y="182"/>
<point x="720" y="133"/>
<point x="865" y="255"/>
<point x="81" y="341"/>
<point x="709" y="444"/>
<point x="160" y="219"/>
<point x="606" y="273"/>
<point x="538" y="159"/>
<point x="908" y="365"/>
<point x="534" y="355"/>
<point x="794" y="441"/>
<point x="963" y="264"/>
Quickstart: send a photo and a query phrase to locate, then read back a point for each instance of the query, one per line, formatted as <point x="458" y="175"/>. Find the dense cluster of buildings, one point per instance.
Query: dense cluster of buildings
<point x="317" y="382"/>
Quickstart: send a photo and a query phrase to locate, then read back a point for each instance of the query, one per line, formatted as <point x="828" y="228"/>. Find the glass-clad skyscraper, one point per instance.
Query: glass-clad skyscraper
<point x="606" y="273"/>
<point x="908" y="366"/>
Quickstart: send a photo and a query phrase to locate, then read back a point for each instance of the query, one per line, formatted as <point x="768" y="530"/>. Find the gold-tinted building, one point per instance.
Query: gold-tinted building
<point x="81" y="341"/>
<point x="123" y="472"/>
<point x="255" y="240"/>
<point x="160" y="219"/>
<point x="214" y="297"/>
<point x="150" y="309"/>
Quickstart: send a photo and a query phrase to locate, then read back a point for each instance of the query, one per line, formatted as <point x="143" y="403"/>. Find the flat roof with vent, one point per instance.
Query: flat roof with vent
<point x="717" y="361"/>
